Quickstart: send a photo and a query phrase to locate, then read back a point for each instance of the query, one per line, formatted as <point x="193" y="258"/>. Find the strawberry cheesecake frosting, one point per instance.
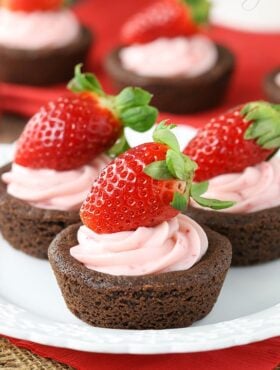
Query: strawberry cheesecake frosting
<point x="36" y="30"/>
<point x="51" y="189"/>
<point x="164" y="57"/>
<point x="255" y="189"/>
<point x="173" y="245"/>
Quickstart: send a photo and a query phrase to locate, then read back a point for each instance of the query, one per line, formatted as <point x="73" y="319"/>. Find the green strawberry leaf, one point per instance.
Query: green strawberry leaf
<point x="265" y="123"/>
<point x="120" y="146"/>
<point x="82" y="82"/>
<point x="213" y="203"/>
<point x="175" y="164"/>
<point x="273" y="143"/>
<point x="162" y="134"/>
<point x="200" y="10"/>
<point x="132" y="97"/>
<point x="179" y="202"/>
<point x="158" y="170"/>
<point x="197" y="189"/>
<point x="132" y="107"/>
<point x="180" y="165"/>
<point x="140" y="118"/>
<point x="190" y="165"/>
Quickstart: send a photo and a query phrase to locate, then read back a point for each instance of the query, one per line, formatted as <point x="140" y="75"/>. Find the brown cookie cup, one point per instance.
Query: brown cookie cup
<point x="156" y="301"/>
<point x="27" y="228"/>
<point x="272" y="90"/>
<point x="255" y="237"/>
<point x="45" y="66"/>
<point x="179" y="94"/>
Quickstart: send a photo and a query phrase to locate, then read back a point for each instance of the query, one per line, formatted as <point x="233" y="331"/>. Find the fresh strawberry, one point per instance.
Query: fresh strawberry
<point x="242" y="137"/>
<point x="69" y="132"/>
<point x="32" y="5"/>
<point x="165" y="18"/>
<point x="144" y="186"/>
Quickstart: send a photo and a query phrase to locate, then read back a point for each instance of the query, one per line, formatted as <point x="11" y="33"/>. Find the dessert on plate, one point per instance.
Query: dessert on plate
<point x="60" y="152"/>
<point x="165" y="49"/>
<point x="137" y="262"/>
<point x="272" y="86"/>
<point x="40" y="41"/>
<point x="236" y="153"/>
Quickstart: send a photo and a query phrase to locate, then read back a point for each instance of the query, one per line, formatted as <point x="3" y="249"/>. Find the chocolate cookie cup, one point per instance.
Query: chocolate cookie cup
<point x="255" y="237"/>
<point x="27" y="228"/>
<point x="44" y="66"/>
<point x="272" y="90"/>
<point x="179" y="94"/>
<point x="156" y="301"/>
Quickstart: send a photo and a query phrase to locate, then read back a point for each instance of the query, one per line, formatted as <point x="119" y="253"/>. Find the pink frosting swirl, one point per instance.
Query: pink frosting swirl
<point x="50" y="189"/>
<point x="171" y="246"/>
<point x="255" y="189"/>
<point x="165" y="57"/>
<point x="36" y="30"/>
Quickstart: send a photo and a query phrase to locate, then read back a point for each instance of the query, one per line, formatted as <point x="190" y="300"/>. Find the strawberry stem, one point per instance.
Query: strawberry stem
<point x="162" y="134"/>
<point x="178" y="166"/>
<point x="265" y="126"/>
<point x="130" y="106"/>
<point x="83" y="82"/>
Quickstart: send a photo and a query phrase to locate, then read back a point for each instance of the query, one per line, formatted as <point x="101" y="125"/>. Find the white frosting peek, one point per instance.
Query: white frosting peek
<point x="37" y="30"/>
<point x="164" y="57"/>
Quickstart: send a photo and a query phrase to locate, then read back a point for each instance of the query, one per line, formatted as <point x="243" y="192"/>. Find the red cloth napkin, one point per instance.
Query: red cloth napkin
<point x="256" y="55"/>
<point x="257" y="356"/>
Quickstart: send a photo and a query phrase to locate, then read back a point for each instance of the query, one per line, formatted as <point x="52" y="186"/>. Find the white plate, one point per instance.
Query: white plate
<point x="32" y="308"/>
<point x="247" y="15"/>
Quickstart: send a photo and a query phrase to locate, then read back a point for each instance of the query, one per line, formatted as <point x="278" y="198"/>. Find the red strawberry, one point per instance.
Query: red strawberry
<point x="71" y="131"/>
<point x="165" y="18"/>
<point x="242" y="137"/>
<point x="32" y="5"/>
<point x="144" y="186"/>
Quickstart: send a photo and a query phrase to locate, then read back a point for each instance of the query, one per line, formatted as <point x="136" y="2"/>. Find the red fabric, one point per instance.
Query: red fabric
<point x="256" y="55"/>
<point x="257" y="356"/>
